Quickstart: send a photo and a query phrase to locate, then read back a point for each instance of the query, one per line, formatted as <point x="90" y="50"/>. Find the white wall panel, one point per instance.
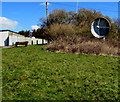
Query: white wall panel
<point x="45" y="41"/>
<point x="29" y="40"/>
<point x="4" y="39"/>
<point x="10" y="38"/>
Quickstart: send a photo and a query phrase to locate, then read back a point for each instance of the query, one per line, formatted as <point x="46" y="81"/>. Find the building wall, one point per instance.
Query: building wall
<point x="8" y="38"/>
<point x="4" y="39"/>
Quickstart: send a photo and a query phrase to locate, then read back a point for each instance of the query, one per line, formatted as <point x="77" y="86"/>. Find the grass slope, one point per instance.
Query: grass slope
<point x="31" y="73"/>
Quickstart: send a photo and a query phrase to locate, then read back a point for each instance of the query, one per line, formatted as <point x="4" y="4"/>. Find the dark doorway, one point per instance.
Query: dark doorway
<point x="32" y="42"/>
<point x="6" y="42"/>
<point x="37" y="42"/>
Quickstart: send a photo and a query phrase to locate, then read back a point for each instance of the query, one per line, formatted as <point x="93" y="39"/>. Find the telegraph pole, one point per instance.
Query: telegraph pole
<point x="76" y="6"/>
<point x="47" y="15"/>
<point x="47" y="11"/>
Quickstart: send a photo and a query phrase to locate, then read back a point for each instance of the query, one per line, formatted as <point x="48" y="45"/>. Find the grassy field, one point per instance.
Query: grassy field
<point x="31" y="73"/>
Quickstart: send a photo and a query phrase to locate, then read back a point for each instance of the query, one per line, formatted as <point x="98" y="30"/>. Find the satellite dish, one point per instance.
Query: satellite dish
<point x="100" y="27"/>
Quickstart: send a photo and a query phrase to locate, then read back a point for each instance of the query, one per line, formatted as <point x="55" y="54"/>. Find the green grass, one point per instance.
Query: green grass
<point x="31" y="73"/>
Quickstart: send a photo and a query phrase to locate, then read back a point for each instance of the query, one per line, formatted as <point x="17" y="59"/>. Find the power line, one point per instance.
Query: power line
<point x="84" y="7"/>
<point x="87" y="4"/>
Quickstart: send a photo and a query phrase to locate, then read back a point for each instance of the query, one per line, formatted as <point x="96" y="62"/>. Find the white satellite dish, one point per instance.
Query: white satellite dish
<point x="100" y="27"/>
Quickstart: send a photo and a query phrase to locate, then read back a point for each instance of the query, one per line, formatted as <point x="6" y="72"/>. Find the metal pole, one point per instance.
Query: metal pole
<point x="76" y="6"/>
<point x="47" y="11"/>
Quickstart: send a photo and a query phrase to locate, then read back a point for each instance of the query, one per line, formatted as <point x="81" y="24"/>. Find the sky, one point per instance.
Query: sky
<point x="17" y="16"/>
<point x="59" y="0"/>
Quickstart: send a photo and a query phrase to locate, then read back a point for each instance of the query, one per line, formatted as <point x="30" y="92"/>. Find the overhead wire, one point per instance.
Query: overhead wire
<point x="68" y="5"/>
<point x="88" y="3"/>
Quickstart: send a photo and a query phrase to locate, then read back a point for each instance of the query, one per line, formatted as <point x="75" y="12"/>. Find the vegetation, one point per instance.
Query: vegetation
<point x="31" y="73"/>
<point x="24" y="33"/>
<point x="78" y="45"/>
<point x="64" y="23"/>
<point x="68" y="31"/>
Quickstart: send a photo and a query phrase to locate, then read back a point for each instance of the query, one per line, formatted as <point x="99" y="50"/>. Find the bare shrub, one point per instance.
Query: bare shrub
<point x="76" y="44"/>
<point x="58" y="30"/>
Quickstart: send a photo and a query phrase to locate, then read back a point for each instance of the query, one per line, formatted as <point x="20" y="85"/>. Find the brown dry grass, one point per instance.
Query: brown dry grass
<point x="78" y="45"/>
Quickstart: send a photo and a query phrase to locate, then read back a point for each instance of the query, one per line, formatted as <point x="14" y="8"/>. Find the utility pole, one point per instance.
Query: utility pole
<point x="76" y="6"/>
<point x="47" y="11"/>
<point x="47" y="15"/>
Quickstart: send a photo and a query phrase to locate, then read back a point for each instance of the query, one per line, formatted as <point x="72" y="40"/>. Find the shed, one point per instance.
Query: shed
<point x="8" y="38"/>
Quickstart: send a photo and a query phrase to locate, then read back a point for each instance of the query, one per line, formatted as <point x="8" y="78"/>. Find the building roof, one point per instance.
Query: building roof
<point x="14" y="33"/>
<point x="8" y="30"/>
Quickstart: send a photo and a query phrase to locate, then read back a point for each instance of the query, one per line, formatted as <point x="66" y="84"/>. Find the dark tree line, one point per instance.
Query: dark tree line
<point x="24" y="33"/>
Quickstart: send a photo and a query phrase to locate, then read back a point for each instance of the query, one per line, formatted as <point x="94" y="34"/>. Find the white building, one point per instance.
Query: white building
<point x="9" y="38"/>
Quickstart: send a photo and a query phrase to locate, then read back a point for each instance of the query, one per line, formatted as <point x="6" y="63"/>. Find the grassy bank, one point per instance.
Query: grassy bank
<point x="31" y="73"/>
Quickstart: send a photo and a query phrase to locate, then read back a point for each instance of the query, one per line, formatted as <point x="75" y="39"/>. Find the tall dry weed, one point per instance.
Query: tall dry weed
<point x="76" y="44"/>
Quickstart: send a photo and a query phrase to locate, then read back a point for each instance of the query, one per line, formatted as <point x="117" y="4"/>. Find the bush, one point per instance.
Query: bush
<point x="64" y="23"/>
<point x="60" y="30"/>
<point x="76" y="44"/>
